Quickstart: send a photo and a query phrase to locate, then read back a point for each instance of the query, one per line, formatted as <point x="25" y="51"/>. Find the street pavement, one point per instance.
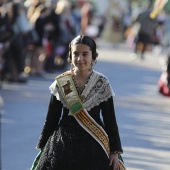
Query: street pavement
<point x="143" y="115"/>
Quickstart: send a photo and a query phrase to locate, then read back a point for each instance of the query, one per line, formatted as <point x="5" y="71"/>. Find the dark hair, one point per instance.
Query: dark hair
<point x="84" y="39"/>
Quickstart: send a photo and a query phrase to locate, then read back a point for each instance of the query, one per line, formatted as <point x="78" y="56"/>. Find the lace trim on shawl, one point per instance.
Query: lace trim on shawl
<point x="97" y="90"/>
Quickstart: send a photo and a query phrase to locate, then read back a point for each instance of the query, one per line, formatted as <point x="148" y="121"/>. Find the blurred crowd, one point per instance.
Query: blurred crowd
<point x="34" y="35"/>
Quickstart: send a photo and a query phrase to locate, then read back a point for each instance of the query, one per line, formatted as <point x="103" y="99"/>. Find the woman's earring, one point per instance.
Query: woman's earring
<point x="91" y="68"/>
<point x="71" y="66"/>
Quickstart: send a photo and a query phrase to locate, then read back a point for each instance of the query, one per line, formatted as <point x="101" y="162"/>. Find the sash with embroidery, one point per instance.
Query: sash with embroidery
<point x="70" y="95"/>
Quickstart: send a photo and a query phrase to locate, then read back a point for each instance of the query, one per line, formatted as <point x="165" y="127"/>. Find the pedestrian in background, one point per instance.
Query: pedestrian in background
<point x="87" y="12"/>
<point x="74" y="135"/>
<point x="145" y="33"/>
<point x="67" y="21"/>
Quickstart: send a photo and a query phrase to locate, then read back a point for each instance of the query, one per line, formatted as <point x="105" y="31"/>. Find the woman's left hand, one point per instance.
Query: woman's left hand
<point x="114" y="161"/>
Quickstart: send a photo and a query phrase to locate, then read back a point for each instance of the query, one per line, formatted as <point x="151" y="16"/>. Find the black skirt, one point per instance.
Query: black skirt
<point x="70" y="147"/>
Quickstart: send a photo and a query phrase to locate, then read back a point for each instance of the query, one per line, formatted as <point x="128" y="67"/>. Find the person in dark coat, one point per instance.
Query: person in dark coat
<point x="145" y="33"/>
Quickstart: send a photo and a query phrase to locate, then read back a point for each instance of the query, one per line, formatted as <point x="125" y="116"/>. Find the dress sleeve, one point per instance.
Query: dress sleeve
<point x="51" y="122"/>
<point x="110" y="123"/>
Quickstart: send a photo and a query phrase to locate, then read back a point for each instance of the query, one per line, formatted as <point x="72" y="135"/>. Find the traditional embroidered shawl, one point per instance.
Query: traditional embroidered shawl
<point x="96" y="91"/>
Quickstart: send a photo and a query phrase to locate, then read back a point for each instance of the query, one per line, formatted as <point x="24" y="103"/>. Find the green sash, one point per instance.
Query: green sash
<point x="69" y="93"/>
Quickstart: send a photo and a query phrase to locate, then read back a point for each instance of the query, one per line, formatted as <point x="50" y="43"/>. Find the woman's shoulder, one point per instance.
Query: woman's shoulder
<point x="54" y="83"/>
<point x="100" y="75"/>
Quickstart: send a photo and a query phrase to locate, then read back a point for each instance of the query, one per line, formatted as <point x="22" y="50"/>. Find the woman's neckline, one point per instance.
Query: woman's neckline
<point x="81" y="87"/>
<point x="80" y="75"/>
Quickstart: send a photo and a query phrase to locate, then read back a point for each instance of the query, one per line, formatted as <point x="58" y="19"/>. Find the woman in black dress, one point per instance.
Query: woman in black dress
<point x="65" y="143"/>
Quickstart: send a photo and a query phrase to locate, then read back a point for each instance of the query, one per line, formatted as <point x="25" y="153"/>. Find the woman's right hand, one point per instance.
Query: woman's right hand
<point x="114" y="161"/>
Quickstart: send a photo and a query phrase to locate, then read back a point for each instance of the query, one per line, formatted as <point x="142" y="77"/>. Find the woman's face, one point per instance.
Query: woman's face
<point x="81" y="57"/>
